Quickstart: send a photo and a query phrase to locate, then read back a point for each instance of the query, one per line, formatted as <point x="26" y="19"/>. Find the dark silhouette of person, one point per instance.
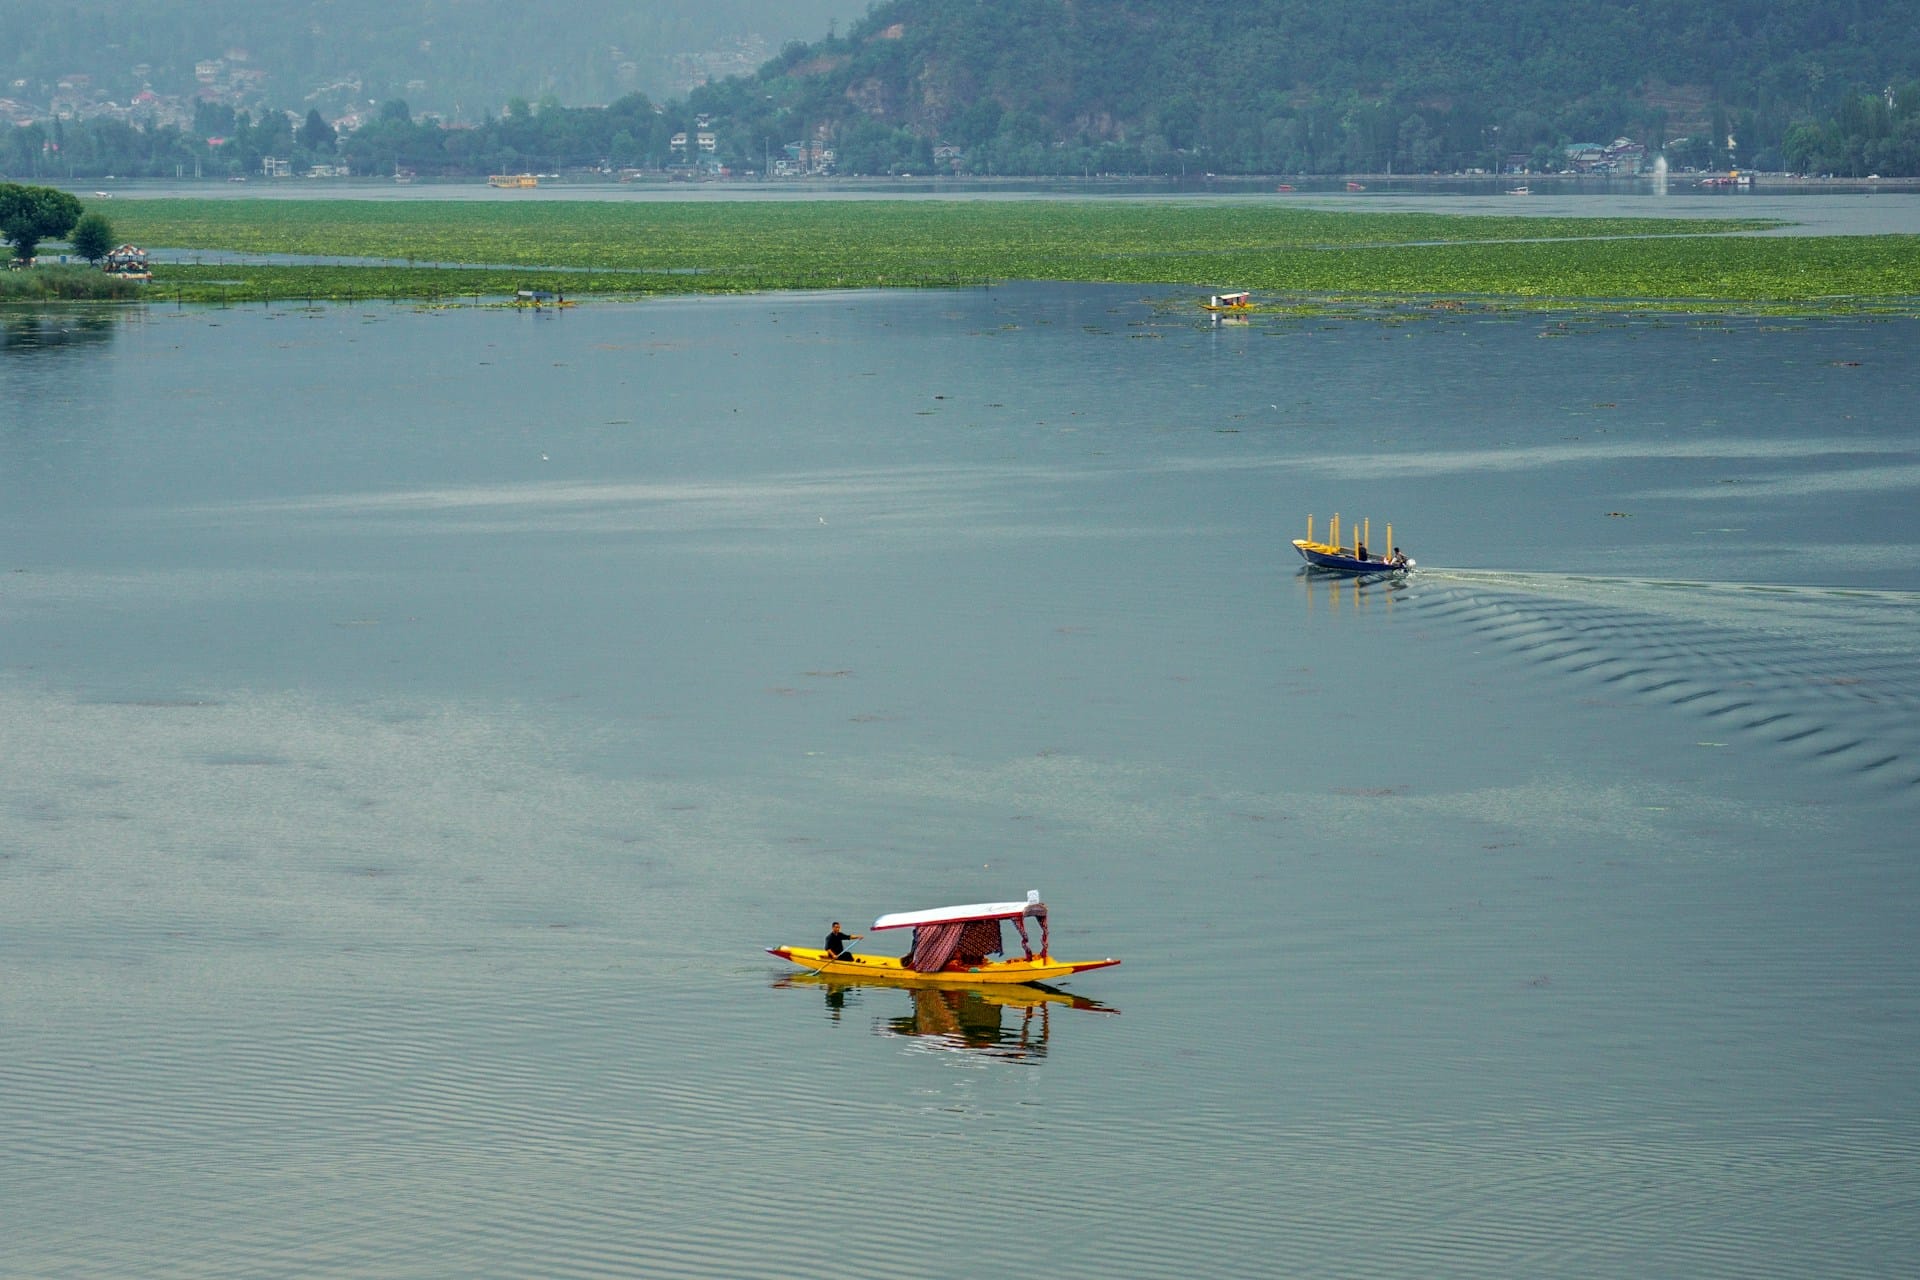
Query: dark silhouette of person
<point x="837" y="942"/>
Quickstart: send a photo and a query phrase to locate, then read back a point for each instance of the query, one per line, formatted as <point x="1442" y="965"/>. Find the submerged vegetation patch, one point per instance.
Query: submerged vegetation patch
<point x="455" y="249"/>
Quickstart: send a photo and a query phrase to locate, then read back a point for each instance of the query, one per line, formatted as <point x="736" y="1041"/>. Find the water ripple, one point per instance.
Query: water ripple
<point x="1827" y="679"/>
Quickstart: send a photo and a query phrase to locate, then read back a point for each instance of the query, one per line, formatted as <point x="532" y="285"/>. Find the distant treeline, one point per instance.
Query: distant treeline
<point x="1155" y="87"/>
<point x="1875" y="133"/>
<point x="1871" y="133"/>
<point x="629" y="133"/>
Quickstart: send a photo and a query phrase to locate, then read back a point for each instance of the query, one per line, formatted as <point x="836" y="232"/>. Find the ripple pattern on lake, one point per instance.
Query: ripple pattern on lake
<point x="467" y="1133"/>
<point x="404" y="772"/>
<point x="461" y="1131"/>
<point x="1829" y="680"/>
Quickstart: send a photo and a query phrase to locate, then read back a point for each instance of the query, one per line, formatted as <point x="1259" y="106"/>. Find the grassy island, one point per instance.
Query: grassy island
<point x="425" y="250"/>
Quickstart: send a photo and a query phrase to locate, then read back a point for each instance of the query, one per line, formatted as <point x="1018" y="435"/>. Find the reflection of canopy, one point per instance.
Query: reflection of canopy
<point x="968" y="933"/>
<point x="968" y="1021"/>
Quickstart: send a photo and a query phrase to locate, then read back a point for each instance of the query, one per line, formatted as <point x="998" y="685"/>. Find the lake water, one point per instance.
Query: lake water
<point x="417" y="722"/>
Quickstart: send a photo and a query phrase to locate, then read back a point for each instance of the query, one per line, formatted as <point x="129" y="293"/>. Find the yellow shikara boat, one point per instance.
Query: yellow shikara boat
<point x="1230" y="302"/>
<point x="952" y="946"/>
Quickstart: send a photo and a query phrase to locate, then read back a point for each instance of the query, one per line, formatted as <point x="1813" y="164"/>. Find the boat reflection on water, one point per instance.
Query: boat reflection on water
<point x="1013" y="1021"/>
<point x="1337" y="591"/>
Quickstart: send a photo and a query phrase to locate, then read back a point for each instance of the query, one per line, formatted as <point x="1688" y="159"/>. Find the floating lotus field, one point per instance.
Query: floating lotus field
<point x="484" y="251"/>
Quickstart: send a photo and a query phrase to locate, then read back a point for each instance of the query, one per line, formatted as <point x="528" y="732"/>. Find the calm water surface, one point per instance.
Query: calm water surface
<point x="418" y="720"/>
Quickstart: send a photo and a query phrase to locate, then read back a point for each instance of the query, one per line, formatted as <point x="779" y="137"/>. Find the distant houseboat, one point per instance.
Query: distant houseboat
<point x="128" y="262"/>
<point x="513" y="181"/>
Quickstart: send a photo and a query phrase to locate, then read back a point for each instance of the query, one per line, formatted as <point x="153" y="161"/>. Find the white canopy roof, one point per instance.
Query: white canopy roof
<point x="973" y="911"/>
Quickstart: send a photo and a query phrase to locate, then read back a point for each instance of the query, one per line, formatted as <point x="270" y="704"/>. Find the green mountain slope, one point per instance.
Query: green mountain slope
<point x="1319" y="85"/>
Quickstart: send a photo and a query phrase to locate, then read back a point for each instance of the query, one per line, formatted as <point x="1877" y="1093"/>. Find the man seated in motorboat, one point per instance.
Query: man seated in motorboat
<point x="1398" y="559"/>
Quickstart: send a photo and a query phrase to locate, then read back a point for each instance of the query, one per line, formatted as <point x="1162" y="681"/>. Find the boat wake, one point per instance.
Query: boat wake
<point x="1828" y="677"/>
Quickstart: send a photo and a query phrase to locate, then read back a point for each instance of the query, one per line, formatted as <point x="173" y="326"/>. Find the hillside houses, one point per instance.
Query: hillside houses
<point x="1621" y="156"/>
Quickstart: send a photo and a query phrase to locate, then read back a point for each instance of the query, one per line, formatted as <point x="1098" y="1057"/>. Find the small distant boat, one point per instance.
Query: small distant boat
<point x="952" y="946"/>
<point x="1356" y="186"/>
<point x="1519" y="191"/>
<point x="1335" y="556"/>
<point x="1242" y="301"/>
<point x="1285" y="186"/>
<point x="512" y="181"/>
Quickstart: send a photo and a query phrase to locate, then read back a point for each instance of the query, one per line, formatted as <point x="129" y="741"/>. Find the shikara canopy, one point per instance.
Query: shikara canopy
<point x="967" y="934"/>
<point x="973" y="911"/>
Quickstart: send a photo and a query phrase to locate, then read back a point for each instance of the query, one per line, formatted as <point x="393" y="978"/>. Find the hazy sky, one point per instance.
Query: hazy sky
<point x="584" y="51"/>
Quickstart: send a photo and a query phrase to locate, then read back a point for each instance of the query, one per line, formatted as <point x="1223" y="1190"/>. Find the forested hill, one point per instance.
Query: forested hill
<point x="996" y="87"/>
<point x="1321" y="85"/>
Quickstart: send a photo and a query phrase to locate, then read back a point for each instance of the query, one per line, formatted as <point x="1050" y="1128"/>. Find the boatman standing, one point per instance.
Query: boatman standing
<point x="837" y="942"/>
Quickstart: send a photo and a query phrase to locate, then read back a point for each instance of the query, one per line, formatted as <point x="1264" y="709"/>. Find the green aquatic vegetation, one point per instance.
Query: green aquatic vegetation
<point x="267" y="284"/>
<point x="71" y="282"/>
<point x="452" y="248"/>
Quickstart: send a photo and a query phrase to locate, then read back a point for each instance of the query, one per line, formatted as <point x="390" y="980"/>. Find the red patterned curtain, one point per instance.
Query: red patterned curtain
<point x="935" y="946"/>
<point x="981" y="939"/>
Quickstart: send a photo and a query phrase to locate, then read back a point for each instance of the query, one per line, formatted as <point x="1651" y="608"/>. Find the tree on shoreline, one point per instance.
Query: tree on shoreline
<point x="29" y="215"/>
<point x="91" y="237"/>
<point x="316" y="134"/>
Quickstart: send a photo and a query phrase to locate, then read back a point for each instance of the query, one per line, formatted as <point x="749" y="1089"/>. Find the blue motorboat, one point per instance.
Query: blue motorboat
<point x="1334" y="556"/>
